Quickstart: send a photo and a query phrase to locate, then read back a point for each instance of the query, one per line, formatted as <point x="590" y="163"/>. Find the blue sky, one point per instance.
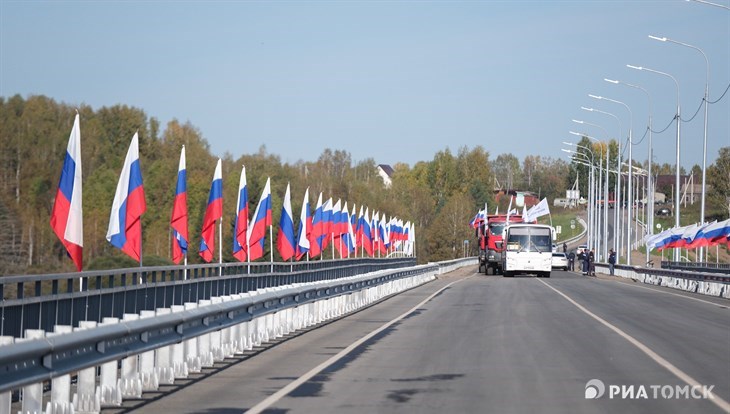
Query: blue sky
<point x="395" y="81"/>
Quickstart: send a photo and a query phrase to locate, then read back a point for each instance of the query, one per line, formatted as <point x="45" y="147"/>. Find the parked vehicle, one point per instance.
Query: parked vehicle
<point x="663" y="212"/>
<point x="560" y="261"/>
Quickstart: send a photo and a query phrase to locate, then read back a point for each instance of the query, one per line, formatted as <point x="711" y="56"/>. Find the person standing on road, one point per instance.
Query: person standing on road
<point x="571" y="261"/>
<point x="583" y="257"/>
<point x="611" y="260"/>
<point x="591" y="263"/>
<point x="565" y="247"/>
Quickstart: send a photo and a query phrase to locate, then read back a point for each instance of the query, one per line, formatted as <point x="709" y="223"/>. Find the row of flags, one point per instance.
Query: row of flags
<point x="691" y="237"/>
<point x="528" y="216"/>
<point x="330" y="223"/>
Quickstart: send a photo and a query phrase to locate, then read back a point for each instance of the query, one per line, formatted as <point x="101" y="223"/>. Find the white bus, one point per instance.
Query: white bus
<point x="528" y="249"/>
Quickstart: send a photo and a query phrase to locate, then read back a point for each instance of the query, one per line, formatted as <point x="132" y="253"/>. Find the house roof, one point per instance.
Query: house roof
<point x="387" y="169"/>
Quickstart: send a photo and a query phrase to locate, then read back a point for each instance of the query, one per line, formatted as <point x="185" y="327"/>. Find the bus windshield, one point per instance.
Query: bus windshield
<point x="528" y="239"/>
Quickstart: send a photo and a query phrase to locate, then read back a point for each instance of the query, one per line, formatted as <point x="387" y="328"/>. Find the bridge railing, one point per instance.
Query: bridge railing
<point x="704" y="267"/>
<point x="162" y="345"/>
<point x="134" y="290"/>
<point x="712" y="284"/>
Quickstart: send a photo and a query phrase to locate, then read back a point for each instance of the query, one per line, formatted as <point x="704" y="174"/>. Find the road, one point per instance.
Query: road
<point x="484" y="344"/>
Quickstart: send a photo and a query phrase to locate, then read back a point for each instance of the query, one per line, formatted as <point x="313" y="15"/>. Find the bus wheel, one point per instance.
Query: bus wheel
<point x="507" y="274"/>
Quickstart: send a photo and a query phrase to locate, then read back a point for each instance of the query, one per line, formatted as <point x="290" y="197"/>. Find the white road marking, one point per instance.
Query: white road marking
<point x="669" y="293"/>
<point x="272" y="399"/>
<point x="724" y="405"/>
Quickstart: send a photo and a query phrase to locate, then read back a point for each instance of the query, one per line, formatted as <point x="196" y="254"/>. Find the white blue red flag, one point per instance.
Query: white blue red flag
<point x="259" y="222"/>
<point x="213" y="212"/>
<point x="240" y="249"/>
<point x="326" y="236"/>
<point x="305" y="227"/>
<point x="179" y="220"/>
<point x="66" y="216"/>
<point x="125" y="225"/>
<point x="285" y="242"/>
<point x="367" y="237"/>
<point x="315" y="247"/>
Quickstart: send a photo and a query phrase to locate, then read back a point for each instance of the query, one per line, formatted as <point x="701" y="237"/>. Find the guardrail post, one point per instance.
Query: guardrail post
<point x="109" y="384"/>
<point x="227" y="340"/>
<point x="192" y="357"/>
<point x="86" y="399"/>
<point x="216" y="346"/>
<point x="6" y="397"/>
<point x="163" y="364"/>
<point x="131" y="382"/>
<point x="60" y="386"/>
<point x="179" y="366"/>
<point x="32" y="394"/>
<point x="204" y="343"/>
<point x="147" y="372"/>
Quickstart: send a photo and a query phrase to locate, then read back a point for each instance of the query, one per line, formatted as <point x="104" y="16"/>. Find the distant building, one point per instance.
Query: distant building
<point x="386" y="173"/>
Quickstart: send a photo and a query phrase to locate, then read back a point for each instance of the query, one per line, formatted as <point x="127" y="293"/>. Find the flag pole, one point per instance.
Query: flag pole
<point x="271" y="246"/>
<point x="220" y="246"/>
<point x="332" y="237"/>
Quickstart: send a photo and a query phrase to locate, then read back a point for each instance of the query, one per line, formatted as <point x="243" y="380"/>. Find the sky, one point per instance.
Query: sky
<point x="396" y="81"/>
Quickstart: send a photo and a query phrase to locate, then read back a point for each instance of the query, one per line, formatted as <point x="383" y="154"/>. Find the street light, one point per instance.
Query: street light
<point x="711" y="4"/>
<point x="605" y="189"/>
<point x="591" y="188"/>
<point x="617" y="219"/>
<point x="650" y="211"/>
<point x="677" y="167"/>
<point x="630" y="195"/>
<point x="704" y="143"/>
<point x="603" y="192"/>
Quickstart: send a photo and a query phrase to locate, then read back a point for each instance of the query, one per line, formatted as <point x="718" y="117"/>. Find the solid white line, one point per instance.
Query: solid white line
<point x="668" y="293"/>
<point x="724" y="405"/>
<point x="272" y="399"/>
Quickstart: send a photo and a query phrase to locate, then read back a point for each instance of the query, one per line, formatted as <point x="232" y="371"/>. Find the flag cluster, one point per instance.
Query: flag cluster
<point x="691" y="237"/>
<point x="331" y="223"/>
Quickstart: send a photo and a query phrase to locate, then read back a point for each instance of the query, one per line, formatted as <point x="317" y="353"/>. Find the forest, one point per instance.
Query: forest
<point x="439" y="196"/>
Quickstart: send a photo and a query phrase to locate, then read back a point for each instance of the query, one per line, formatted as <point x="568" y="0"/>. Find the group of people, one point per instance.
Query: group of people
<point x="587" y="259"/>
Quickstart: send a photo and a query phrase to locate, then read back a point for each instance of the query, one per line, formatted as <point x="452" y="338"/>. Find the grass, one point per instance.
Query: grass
<point x="562" y="217"/>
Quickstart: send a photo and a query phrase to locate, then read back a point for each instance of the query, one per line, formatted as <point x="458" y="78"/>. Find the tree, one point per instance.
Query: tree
<point x="718" y="177"/>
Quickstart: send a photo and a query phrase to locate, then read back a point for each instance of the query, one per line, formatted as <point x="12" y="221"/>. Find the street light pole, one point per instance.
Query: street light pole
<point x="605" y="188"/>
<point x="629" y="203"/>
<point x="596" y="217"/>
<point x="650" y="192"/>
<point x="677" y="166"/>
<point x="591" y="190"/>
<point x="618" y="233"/>
<point x="701" y="256"/>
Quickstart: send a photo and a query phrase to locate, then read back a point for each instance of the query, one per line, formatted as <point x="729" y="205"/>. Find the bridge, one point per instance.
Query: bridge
<point x="368" y="335"/>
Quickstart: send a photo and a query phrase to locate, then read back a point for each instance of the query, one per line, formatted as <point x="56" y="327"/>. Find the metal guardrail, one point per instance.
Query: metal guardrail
<point x="698" y="267"/>
<point x="159" y="287"/>
<point x="57" y="283"/>
<point x="35" y="361"/>
<point x="678" y="274"/>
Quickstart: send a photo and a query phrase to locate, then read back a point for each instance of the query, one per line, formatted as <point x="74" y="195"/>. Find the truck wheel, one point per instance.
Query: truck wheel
<point x="490" y="271"/>
<point x="481" y="266"/>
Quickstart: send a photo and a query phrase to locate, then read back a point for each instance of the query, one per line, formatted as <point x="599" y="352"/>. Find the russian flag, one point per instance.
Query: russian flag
<point x="358" y="227"/>
<point x="305" y="227"/>
<point x="125" y="225"/>
<point x="315" y="247"/>
<point x="285" y="242"/>
<point x="66" y="216"/>
<point x="179" y="220"/>
<point x="324" y="238"/>
<point x="715" y="233"/>
<point x="260" y="220"/>
<point x="367" y="238"/>
<point x="340" y="235"/>
<point x="351" y="239"/>
<point x="240" y="249"/>
<point x="213" y="212"/>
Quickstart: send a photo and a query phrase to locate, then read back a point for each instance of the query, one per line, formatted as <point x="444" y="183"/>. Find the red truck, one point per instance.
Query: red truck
<point x="490" y="242"/>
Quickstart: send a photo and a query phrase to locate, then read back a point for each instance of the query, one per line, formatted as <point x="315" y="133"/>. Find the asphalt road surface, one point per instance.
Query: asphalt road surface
<point x="485" y="344"/>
